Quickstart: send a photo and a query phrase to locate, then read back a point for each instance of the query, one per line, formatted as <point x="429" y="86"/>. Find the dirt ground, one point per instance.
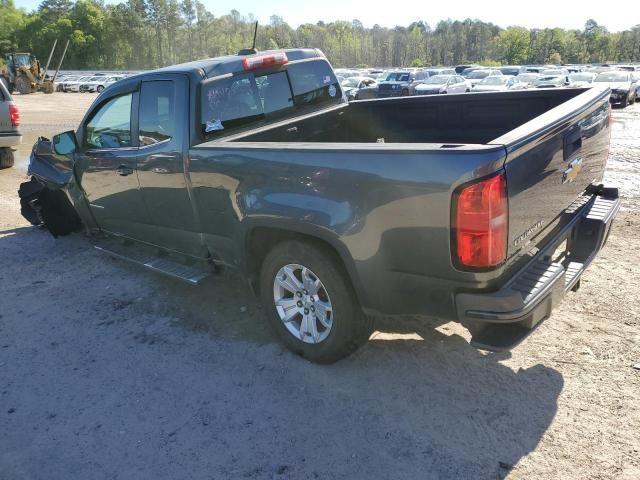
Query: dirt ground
<point x="110" y="371"/>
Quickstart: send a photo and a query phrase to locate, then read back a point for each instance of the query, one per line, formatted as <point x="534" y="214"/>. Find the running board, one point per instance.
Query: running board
<point x="190" y="270"/>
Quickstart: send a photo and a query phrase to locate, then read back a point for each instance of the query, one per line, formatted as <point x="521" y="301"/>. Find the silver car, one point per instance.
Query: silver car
<point x="9" y="123"/>
<point x="499" y="83"/>
<point x="442" y="84"/>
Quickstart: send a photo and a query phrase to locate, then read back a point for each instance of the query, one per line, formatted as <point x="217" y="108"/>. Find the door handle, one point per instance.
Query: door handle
<point x="123" y="170"/>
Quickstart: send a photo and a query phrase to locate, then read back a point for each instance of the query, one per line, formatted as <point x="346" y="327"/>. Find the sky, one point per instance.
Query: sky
<point x="387" y="13"/>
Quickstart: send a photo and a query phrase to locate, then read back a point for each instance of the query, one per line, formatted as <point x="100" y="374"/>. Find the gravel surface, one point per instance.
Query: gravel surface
<point x="108" y="371"/>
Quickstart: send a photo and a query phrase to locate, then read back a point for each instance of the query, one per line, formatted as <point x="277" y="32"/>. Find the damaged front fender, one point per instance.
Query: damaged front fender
<point x="46" y="198"/>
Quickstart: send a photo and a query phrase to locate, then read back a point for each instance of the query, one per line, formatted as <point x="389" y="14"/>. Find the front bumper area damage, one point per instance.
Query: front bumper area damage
<point x="500" y="320"/>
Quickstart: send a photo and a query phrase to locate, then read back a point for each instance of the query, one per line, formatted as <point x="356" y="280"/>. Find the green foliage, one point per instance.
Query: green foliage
<point x="361" y="65"/>
<point x="143" y="34"/>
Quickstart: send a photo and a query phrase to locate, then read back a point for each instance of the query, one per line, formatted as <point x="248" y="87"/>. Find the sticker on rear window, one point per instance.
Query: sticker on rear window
<point x="213" y="126"/>
<point x="332" y="90"/>
<point x="327" y="79"/>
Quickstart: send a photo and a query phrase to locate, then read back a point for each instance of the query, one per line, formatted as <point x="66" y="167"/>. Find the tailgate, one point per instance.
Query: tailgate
<point x="551" y="160"/>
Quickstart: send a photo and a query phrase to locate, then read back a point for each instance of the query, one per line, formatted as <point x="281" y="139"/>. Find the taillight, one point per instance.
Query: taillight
<point x="481" y="212"/>
<point x="14" y="115"/>
<point x="263" y="61"/>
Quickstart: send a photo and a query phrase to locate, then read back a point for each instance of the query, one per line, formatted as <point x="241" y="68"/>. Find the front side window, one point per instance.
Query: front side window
<point x="110" y="126"/>
<point x="157" y="119"/>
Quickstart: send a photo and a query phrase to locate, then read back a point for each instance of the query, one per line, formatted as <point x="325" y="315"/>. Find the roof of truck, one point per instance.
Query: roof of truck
<point x="212" y="67"/>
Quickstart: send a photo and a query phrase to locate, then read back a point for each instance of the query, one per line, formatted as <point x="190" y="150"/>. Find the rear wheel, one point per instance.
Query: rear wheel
<point x="6" y="158"/>
<point x="99" y="88"/>
<point x="310" y="302"/>
<point x="23" y="84"/>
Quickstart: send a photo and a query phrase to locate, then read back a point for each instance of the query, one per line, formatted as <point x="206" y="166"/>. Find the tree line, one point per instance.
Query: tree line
<point x="145" y="34"/>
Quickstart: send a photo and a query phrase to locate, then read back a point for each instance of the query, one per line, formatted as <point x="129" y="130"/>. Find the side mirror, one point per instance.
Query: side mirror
<point x="64" y="143"/>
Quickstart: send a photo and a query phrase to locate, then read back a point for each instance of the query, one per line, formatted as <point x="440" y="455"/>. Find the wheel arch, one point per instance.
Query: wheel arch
<point x="261" y="239"/>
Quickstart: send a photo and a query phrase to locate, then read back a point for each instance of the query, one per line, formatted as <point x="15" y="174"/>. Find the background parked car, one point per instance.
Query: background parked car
<point x="528" y="78"/>
<point x="359" y="88"/>
<point x="74" y="85"/>
<point x="98" y="84"/>
<point x="623" y="89"/>
<point x="396" y="83"/>
<point x="9" y="122"/>
<point x="442" y="84"/>
<point x="510" y="70"/>
<point x="474" y="76"/>
<point x="497" y="83"/>
<point x="553" y="81"/>
<point x="582" y="79"/>
<point x="636" y="80"/>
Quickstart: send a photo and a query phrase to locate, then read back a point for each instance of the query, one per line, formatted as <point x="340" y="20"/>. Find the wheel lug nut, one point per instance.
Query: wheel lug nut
<point x="305" y="292"/>
<point x="306" y="311"/>
<point x="313" y="299"/>
<point x="299" y="304"/>
<point x="299" y="294"/>
<point x="313" y="309"/>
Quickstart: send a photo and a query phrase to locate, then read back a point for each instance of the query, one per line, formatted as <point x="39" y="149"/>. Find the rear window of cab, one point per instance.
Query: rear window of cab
<point x="249" y="99"/>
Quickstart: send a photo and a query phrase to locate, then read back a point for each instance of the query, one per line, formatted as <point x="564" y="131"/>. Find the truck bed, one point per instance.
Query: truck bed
<point x="459" y="119"/>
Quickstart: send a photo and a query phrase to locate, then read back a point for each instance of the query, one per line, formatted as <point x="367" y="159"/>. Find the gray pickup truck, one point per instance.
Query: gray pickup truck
<point x="479" y="208"/>
<point x="9" y="122"/>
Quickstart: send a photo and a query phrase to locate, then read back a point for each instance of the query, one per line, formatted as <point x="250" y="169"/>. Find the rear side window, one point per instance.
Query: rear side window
<point x="252" y="98"/>
<point x="157" y="119"/>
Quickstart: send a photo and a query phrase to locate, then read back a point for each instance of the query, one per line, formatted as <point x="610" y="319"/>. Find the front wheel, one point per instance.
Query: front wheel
<point x="311" y="303"/>
<point x="99" y="88"/>
<point x="467" y="91"/>
<point x="24" y="85"/>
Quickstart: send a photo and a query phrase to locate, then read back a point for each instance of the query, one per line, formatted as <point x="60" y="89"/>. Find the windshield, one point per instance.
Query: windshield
<point x="437" y="80"/>
<point x="477" y="74"/>
<point x="250" y="98"/>
<point x="612" y="77"/>
<point x="581" y="77"/>
<point x="22" y="60"/>
<point x="494" y="81"/>
<point x="551" y="72"/>
<point x="351" y="82"/>
<point x="397" y="77"/>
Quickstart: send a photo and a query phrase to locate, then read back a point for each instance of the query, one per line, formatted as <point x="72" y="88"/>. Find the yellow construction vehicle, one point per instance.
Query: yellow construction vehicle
<point x="23" y="72"/>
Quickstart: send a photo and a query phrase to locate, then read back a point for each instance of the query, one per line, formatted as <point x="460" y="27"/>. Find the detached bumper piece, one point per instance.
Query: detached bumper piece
<point x="502" y="319"/>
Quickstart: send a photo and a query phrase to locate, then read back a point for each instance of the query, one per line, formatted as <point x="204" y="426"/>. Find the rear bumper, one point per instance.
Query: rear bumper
<point x="10" y="139"/>
<point x="503" y="318"/>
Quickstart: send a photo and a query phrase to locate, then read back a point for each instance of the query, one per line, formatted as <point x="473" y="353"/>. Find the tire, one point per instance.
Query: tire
<point x="349" y="327"/>
<point x="99" y="88"/>
<point x="23" y="85"/>
<point x="7" y="159"/>
<point x="405" y="92"/>
<point x="49" y="89"/>
<point x="467" y="91"/>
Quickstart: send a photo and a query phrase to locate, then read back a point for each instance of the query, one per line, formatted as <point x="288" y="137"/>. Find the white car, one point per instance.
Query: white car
<point x="74" y="85"/>
<point x="98" y="84"/>
<point x="499" y="83"/>
<point x="442" y="84"/>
